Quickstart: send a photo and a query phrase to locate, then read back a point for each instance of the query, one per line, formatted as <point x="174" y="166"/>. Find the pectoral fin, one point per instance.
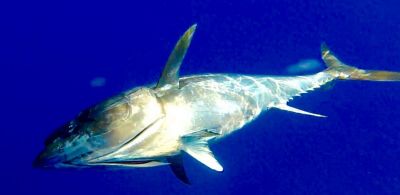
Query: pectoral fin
<point x="196" y="145"/>
<point x="292" y="109"/>
<point x="170" y="74"/>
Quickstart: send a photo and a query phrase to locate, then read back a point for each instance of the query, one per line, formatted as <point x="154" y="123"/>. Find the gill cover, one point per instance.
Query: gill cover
<point x="102" y="129"/>
<point x="120" y="119"/>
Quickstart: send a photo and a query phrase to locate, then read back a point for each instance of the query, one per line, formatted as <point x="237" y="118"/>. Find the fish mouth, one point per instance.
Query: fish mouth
<point x="45" y="162"/>
<point x="60" y="157"/>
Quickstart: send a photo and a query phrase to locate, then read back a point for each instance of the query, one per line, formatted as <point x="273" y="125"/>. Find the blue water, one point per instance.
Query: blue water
<point x="58" y="57"/>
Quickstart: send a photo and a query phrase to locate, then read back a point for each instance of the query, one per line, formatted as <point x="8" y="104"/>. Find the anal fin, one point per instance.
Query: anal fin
<point x="296" y="110"/>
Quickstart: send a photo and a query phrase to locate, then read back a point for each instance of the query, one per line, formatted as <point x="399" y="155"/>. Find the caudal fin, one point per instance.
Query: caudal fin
<point x="345" y="72"/>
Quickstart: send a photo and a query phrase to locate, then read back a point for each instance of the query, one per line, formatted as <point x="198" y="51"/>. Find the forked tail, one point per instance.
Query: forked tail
<point x="290" y="87"/>
<point x="345" y="72"/>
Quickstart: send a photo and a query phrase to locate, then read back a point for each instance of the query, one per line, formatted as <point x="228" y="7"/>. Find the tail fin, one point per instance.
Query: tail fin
<point x="345" y="72"/>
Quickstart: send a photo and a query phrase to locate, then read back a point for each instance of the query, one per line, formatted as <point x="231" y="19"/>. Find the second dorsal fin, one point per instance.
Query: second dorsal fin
<point x="170" y="74"/>
<point x="296" y="110"/>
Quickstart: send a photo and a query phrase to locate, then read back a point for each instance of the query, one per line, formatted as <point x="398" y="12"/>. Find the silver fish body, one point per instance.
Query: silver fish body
<point x="151" y="126"/>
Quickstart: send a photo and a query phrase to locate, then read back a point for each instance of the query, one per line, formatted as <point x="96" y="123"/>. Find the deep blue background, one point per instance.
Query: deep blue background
<point x="50" y="51"/>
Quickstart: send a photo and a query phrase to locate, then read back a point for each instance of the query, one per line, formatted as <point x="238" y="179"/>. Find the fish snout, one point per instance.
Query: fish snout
<point x="50" y="157"/>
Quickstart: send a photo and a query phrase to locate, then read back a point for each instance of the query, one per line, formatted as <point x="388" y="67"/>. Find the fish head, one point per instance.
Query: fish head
<point x="101" y="130"/>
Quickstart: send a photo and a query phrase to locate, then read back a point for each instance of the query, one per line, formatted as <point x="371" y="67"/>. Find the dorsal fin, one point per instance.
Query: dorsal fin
<point x="170" y="74"/>
<point x="196" y="145"/>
